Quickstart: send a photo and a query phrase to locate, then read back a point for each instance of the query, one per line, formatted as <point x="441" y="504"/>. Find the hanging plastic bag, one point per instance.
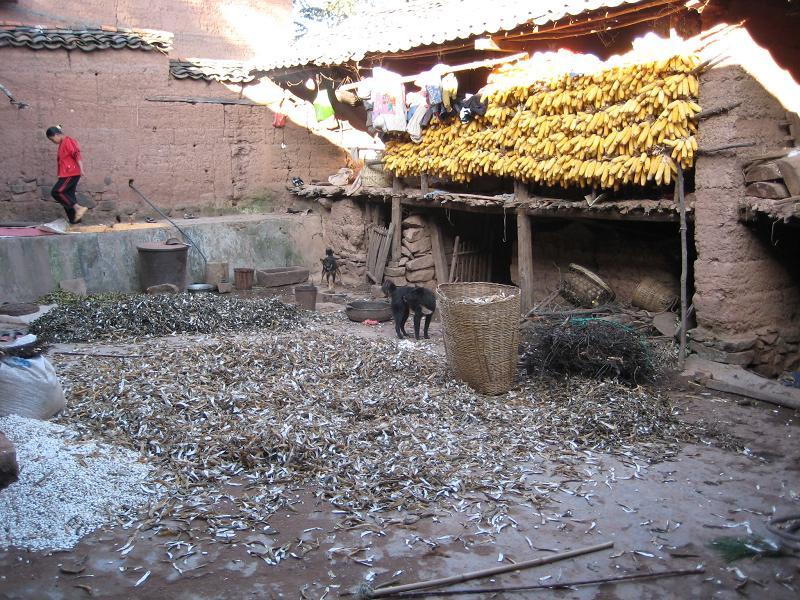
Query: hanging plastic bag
<point x="279" y="120"/>
<point x="323" y="109"/>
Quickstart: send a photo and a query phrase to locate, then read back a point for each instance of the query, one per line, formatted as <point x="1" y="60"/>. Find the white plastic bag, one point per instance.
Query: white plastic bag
<point x="29" y="388"/>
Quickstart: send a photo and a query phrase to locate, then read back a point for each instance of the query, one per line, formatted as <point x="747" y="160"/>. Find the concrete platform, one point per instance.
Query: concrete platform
<point x="107" y="259"/>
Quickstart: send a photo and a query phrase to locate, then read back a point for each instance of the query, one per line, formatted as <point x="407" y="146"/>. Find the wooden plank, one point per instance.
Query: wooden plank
<point x="525" y="260"/>
<point x="372" y="248"/>
<point x="384" y="253"/>
<point x="190" y="100"/>
<point x="437" y="249"/>
<point x="454" y="262"/>
<point x="396" y="237"/>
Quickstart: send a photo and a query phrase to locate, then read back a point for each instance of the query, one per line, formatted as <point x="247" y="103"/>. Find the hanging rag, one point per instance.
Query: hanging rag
<point x="449" y="90"/>
<point x="323" y="109"/>
<point x="388" y="101"/>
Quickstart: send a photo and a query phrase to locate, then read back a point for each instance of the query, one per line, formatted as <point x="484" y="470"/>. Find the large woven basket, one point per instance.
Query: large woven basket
<point x="375" y="176"/>
<point x="655" y="296"/>
<point x="481" y="333"/>
<point x="584" y="288"/>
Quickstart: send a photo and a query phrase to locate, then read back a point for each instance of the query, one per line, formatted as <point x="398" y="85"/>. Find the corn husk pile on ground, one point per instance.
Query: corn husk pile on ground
<point x="115" y="316"/>
<point x="377" y="428"/>
<point x="623" y="125"/>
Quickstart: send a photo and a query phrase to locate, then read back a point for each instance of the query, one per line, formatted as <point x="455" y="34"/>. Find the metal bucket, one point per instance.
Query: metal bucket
<point x="306" y="296"/>
<point x="243" y="278"/>
<point x="162" y="263"/>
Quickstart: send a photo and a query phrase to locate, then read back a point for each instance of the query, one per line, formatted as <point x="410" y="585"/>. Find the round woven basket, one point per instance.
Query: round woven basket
<point x="481" y="333"/>
<point x="583" y="288"/>
<point x="655" y="296"/>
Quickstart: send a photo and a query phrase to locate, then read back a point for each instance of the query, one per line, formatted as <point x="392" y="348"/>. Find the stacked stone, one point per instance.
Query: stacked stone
<point x="415" y="266"/>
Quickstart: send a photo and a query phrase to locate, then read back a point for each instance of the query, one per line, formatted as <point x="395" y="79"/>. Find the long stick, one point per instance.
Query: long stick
<point x="684" y="262"/>
<point x="174" y="224"/>
<point x="556" y="586"/>
<point x="11" y="98"/>
<point x="544" y="560"/>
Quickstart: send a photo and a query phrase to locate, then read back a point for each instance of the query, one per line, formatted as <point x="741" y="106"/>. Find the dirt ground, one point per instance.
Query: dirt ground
<point x="660" y="517"/>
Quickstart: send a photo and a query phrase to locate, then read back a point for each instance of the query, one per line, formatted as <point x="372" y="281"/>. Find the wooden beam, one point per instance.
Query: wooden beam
<point x="437" y="249"/>
<point x="423" y="183"/>
<point x="397" y="230"/>
<point x="680" y="197"/>
<point x="190" y="100"/>
<point x="478" y="64"/>
<point x="524" y="249"/>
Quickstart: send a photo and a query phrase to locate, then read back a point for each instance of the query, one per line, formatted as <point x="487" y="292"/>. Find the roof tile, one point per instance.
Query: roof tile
<point x="38" y="38"/>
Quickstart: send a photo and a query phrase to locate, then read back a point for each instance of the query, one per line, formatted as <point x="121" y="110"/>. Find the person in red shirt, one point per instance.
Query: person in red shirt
<point x="70" y="169"/>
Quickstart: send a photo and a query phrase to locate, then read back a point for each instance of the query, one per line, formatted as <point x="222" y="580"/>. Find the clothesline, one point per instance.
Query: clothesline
<point x="478" y="64"/>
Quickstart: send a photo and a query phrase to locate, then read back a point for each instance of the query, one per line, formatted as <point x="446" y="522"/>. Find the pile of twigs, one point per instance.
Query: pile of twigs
<point x="592" y="347"/>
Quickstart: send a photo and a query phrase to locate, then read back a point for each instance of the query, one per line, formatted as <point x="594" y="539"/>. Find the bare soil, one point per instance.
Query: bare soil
<point x="647" y="511"/>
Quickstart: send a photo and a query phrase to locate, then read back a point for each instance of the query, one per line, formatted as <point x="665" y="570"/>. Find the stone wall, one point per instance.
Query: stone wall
<point x="747" y="292"/>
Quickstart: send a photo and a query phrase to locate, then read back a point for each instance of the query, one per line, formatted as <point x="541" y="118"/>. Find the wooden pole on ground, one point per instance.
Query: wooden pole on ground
<point x="524" y="249"/>
<point x="544" y="560"/>
<point x="681" y="199"/>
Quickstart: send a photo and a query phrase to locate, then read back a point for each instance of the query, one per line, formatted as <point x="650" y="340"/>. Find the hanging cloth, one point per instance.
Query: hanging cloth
<point x="323" y="109"/>
<point x="388" y="101"/>
<point x="449" y="90"/>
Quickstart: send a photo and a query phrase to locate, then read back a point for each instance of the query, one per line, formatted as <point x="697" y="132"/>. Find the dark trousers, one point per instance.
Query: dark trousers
<point x="64" y="193"/>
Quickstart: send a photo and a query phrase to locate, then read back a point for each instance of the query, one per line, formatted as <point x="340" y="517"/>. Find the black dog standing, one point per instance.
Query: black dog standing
<point x="330" y="268"/>
<point x="405" y="299"/>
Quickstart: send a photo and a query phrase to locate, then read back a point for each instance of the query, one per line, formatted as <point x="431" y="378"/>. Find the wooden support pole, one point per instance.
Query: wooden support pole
<point x="397" y="232"/>
<point x="423" y="183"/>
<point x="681" y="200"/>
<point x="454" y="261"/>
<point x="524" y="248"/>
<point x="437" y="249"/>
<point x="525" y="260"/>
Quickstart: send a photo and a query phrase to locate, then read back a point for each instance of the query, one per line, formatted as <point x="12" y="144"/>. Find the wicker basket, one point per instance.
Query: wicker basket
<point x="481" y="339"/>
<point x="655" y="296"/>
<point x="583" y="288"/>
<point x="375" y="176"/>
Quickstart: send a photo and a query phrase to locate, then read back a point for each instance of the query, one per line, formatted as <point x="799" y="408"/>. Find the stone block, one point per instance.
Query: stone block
<point x="216" y="272"/>
<point x="423" y="262"/>
<point x="403" y="261"/>
<point x="790" y="171"/>
<point x="420" y="276"/>
<point x="419" y="247"/>
<point x="766" y="172"/>
<point x="767" y="189"/>
<point x="376" y="292"/>
<point x="74" y="286"/>
<point x="413" y="234"/>
<point x="406" y="252"/>
<point x="163" y="288"/>
<point x="394" y="271"/>
<point x="731" y="358"/>
<point x="224" y="287"/>
<point x="414" y="221"/>
<point x="9" y="469"/>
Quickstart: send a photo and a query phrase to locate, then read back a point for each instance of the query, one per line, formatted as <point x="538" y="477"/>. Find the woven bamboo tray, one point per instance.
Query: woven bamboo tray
<point x="481" y="338"/>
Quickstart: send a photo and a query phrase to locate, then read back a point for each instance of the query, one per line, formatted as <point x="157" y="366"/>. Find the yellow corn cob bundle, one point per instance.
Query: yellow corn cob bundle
<point x="621" y="126"/>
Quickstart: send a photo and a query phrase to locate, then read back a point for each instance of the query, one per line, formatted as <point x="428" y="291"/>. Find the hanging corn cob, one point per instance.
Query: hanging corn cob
<point x="625" y="125"/>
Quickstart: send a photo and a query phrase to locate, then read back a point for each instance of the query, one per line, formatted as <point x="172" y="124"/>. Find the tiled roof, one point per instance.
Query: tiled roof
<point x="226" y="71"/>
<point x="105" y="38"/>
<point x="401" y="26"/>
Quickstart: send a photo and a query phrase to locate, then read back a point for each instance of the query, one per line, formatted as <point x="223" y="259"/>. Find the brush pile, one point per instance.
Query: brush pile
<point x="116" y="316"/>
<point x="592" y="347"/>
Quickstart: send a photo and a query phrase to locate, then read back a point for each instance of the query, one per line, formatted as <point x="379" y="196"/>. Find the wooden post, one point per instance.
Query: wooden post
<point x="423" y="183"/>
<point x="524" y="249"/>
<point x="397" y="218"/>
<point x="454" y="261"/>
<point x="679" y="196"/>
<point x="437" y="249"/>
<point x="397" y="184"/>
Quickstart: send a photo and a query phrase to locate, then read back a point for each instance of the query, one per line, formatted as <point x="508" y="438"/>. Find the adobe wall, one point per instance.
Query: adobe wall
<point x="220" y="29"/>
<point x="747" y="292"/>
<point x="203" y="158"/>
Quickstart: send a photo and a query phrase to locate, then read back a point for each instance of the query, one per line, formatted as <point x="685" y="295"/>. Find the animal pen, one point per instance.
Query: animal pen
<point x="587" y="208"/>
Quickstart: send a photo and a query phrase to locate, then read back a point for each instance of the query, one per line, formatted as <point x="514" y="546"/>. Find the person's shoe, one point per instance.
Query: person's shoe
<point x="79" y="212"/>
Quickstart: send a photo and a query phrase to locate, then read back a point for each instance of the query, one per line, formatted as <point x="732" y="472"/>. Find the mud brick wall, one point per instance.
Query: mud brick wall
<point x="747" y="294"/>
<point x="221" y="29"/>
<point x="203" y="158"/>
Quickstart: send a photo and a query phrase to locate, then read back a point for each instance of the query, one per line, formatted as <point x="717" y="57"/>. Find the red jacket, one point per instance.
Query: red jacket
<point x="69" y="153"/>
